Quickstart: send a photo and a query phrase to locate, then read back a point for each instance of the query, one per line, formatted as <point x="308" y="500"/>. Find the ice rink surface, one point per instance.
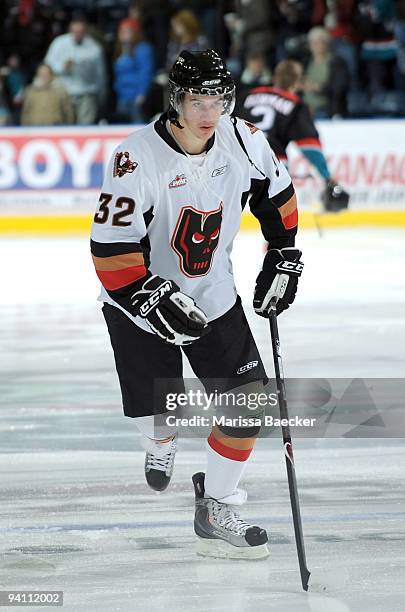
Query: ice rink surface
<point x="76" y="514"/>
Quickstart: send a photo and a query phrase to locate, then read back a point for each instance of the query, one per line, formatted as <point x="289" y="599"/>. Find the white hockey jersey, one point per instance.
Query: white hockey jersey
<point x="163" y="212"/>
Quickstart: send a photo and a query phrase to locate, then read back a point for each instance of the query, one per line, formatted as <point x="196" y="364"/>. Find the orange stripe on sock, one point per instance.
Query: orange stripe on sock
<point x="236" y="454"/>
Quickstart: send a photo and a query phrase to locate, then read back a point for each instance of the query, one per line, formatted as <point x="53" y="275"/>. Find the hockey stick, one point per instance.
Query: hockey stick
<point x="288" y="449"/>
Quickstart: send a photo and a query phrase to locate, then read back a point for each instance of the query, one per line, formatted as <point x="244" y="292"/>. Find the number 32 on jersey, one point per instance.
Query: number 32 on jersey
<point x="126" y="206"/>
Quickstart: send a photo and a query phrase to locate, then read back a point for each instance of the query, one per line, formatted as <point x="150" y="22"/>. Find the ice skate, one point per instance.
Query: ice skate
<point x="221" y="532"/>
<point x="159" y="462"/>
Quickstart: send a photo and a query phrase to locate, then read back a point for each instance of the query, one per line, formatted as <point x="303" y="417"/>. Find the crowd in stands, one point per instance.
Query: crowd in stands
<point x="109" y="62"/>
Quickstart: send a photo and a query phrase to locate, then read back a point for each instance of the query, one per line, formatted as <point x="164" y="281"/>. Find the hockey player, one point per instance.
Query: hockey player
<point x="285" y="118"/>
<point x="161" y="240"/>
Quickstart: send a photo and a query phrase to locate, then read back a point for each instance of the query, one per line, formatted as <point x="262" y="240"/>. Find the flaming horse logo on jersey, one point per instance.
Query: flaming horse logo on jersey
<point x="195" y="239"/>
<point x="123" y="165"/>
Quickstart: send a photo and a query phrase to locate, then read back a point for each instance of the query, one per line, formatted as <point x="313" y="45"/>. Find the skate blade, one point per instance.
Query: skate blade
<point x="223" y="550"/>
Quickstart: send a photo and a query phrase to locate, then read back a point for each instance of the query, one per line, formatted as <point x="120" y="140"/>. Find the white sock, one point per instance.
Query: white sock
<point x="222" y="475"/>
<point x="154" y="427"/>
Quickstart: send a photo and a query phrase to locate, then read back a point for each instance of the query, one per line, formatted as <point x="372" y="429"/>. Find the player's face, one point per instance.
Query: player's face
<point x="201" y="114"/>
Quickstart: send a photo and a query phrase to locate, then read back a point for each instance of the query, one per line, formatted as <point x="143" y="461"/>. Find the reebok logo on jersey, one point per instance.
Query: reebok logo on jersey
<point x="219" y="171"/>
<point x="123" y="165"/>
<point x="247" y="367"/>
<point x="179" y="181"/>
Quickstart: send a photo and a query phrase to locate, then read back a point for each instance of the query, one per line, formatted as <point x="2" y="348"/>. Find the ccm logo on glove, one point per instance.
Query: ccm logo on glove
<point x="153" y="300"/>
<point x="291" y="267"/>
<point x="278" y="280"/>
<point x="171" y="314"/>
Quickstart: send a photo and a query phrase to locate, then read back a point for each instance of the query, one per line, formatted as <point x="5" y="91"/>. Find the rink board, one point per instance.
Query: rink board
<point x="69" y="224"/>
<point x="50" y="177"/>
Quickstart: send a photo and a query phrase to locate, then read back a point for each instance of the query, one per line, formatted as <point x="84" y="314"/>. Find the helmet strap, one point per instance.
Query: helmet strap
<point x="173" y="117"/>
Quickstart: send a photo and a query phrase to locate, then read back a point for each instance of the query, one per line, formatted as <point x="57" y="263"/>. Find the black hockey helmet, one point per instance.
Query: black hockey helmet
<point x="203" y="73"/>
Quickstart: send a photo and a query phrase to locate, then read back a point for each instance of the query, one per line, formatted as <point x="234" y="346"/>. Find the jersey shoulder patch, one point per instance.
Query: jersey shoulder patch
<point x="123" y="164"/>
<point x="253" y="129"/>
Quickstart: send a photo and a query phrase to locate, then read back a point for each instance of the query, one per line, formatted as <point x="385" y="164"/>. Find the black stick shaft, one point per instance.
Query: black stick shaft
<point x="288" y="449"/>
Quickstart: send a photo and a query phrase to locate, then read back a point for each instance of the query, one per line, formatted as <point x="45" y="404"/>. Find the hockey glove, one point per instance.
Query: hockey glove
<point x="172" y="315"/>
<point x="278" y="280"/>
<point x="334" y="197"/>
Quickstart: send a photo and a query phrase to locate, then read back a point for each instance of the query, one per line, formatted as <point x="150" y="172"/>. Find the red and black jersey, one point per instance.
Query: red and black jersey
<point x="281" y="115"/>
<point x="284" y="118"/>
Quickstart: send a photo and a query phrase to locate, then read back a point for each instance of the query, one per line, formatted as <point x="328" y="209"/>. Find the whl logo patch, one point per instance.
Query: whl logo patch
<point x="247" y="367"/>
<point x="179" y="181"/>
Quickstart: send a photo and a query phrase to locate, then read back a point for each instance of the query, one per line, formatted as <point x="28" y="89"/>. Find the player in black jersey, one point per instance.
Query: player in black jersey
<point x="281" y="114"/>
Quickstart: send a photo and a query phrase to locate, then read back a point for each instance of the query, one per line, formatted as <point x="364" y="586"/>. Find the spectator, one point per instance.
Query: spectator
<point x="4" y="109"/>
<point x="27" y="28"/>
<point x="15" y="84"/>
<point x="294" y="19"/>
<point x="379" y="47"/>
<point x="399" y="30"/>
<point x="79" y="61"/>
<point x="185" y="35"/>
<point x="133" y="70"/>
<point x="256" y="71"/>
<point x="235" y="34"/>
<point x="208" y="13"/>
<point x="256" y="17"/>
<point x="341" y="26"/>
<point x="46" y="101"/>
<point x="157" y="98"/>
<point x="154" y="16"/>
<point x="326" y="78"/>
